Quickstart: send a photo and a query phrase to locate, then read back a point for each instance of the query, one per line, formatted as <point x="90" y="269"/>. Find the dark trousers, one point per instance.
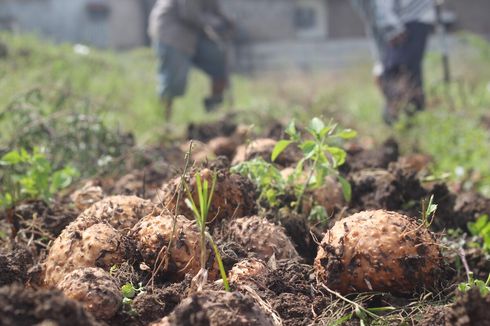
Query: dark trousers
<point x="402" y="80"/>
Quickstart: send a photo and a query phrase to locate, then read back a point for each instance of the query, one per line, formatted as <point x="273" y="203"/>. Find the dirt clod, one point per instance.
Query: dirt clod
<point x="26" y="307"/>
<point x="213" y="308"/>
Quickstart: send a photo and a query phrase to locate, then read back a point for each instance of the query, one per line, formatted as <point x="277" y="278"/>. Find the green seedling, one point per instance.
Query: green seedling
<point x="482" y="286"/>
<point x="205" y="196"/>
<point x="428" y="211"/>
<point x="266" y="176"/>
<point x="481" y="228"/>
<point x="321" y="156"/>
<point x="30" y="176"/>
<point x="129" y="292"/>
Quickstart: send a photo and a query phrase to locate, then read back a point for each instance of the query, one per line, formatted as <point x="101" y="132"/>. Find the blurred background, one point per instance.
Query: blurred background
<point x="270" y="34"/>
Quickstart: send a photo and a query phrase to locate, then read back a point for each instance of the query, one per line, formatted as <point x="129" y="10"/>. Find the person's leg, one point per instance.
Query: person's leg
<point x="173" y="68"/>
<point x="401" y="81"/>
<point x="211" y="58"/>
<point x="419" y="33"/>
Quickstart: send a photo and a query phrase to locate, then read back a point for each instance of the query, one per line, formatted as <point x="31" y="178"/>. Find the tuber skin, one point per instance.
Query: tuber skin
<point x="262" y="238"/>
<point x="153" y="233"/>
<point x="99" y="245"/>
<point x="378" y="251"/>
<point x="95" y="289"/>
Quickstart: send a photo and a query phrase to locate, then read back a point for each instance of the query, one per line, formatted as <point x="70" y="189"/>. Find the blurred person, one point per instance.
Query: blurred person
<point x="400" y="30"/>
<point x="188" y="33"/>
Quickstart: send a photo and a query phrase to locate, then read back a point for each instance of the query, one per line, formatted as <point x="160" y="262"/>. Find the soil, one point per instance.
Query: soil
<point x="380" y="179"/>
<point x="207" y="131"/>
<point x="20" y="306"/>
<point x="159" y="302"/>
<point x="377" y="158"/>
<point x="14" y="266"/>
<point x="471" y="309"/>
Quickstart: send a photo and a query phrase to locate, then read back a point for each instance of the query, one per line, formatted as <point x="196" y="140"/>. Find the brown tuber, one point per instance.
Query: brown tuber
<point x="262" y="238"/>
<point x="153" y="233"/>
<point x="122" y="212"/>
<point x="95" y="289"/>
<point x="378" y="251"/>
<point x="263" y="148"/>
<point x="251" y="272"/>
<point x="234" y="195"/>
<point x="99" y="245"/>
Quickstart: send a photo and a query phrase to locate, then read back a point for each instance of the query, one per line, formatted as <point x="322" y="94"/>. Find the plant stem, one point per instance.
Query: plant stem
<point x="310" y="175"/>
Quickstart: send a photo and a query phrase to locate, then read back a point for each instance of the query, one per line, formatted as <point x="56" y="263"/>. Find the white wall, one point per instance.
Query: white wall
<point x="60" y="20"/>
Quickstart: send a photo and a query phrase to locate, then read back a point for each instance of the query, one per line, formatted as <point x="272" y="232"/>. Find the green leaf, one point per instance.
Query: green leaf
<point x="338" y="155"/>
<point x="11" y="158"/>
<point x="279" y="148"/>
<point x="316" y="125"/>
<point x="308" y="146"/>
<point x="128" y="291"/>
<point x="346" y="134"/>
<point x="291" y="131"/>
<point x="346" y="188"/>
<point x="476" y="227"/>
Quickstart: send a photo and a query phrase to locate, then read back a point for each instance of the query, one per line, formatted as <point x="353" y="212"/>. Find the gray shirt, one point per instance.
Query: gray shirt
<point x="386" y="19"/>
<point x="179" y="23"/>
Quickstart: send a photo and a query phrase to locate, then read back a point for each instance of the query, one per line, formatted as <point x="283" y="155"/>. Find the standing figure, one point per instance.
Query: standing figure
<point x="400" y="29"/>
<point x="186" y="33"/>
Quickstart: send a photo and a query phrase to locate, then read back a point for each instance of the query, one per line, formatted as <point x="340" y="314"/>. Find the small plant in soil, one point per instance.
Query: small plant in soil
<point x="321" y="158"/>
<point x="481" y="229"/>
<point x="428" y="211"/>
<point x="482" y="286"/>
<point x="205" y="196"/>
<point x="129" y="292"/>
<point x="31" y="176"/>
<point x="266" y="176"/>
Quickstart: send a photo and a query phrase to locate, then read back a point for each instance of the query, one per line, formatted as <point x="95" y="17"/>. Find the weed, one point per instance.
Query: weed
<point x="482" y="286"/>
<point x="481" y="228"/>
<point x="321" y="156"/>
<point x="70" y="130"/>
<point x="266" y="176"/>
<point x="31" y="176"/>
<point x="129" y="292"/>
<point x="428" y="211"/>
<point x="205" y="196"/>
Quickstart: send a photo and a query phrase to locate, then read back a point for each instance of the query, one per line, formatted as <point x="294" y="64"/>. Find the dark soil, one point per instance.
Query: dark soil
<point x="434" y="316"/>
<point x="471" y="309"/>
<point x="159" y="302"/>
<point x="378" y="158"/>
<point x="219" y="308"/>
<point x="14" y="266"/>
<point x="52" y="218"/>
<point x="26" y="307"/>
<point x="207" y="131"/>
<point x="298" y="229"/>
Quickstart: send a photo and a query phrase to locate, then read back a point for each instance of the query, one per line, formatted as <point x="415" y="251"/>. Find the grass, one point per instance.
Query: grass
<point x="122" y="87"/>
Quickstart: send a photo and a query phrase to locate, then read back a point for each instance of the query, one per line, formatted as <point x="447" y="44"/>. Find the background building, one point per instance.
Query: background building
<point x="270" y="33"/>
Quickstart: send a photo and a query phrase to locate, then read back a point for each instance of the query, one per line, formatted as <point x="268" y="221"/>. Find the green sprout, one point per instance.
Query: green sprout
<point x="27" y="175"/>
<point x="428" y="211"/>
<point x="201" y="215"/>
<point x="321" y="156"/>
<point x="129" y="292"/>
<point x="482" y="286"/>
<point x="481" y="229"/>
